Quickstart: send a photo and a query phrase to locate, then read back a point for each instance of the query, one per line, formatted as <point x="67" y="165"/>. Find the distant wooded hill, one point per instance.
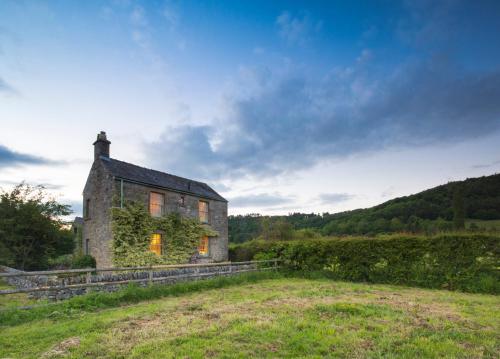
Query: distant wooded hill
<point x="427" y="211"/>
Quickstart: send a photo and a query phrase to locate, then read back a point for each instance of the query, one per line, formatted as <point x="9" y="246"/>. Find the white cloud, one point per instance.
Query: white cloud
<point x="138" y="17"/>
<point x="297" y="30"/>
<point x="171" y="15"/>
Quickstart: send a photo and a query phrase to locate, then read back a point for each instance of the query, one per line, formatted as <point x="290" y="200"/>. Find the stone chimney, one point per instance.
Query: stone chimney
<point x="101" y="146"/>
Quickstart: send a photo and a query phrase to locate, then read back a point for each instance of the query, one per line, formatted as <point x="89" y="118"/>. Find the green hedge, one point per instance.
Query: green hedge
<point x="467" y="262"/>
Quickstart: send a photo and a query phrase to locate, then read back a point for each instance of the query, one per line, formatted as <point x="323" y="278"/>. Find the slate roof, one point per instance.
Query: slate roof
<point x="128" y="171"/>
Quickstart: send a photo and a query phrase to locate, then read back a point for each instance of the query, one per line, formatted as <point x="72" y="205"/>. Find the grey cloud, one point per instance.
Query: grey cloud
<point x="291" y="121"/>
<point x="389" y="192"/>
<point x="280" y="120"/>
<point x="9" y="158"/>
<point x="51" y="186"/>
<point x="486" y="165"/>
<point x="221" y="187"/>
<point x="43" y="184"/>
<point x="331" y="198"/>
<point x="258" y="200"/>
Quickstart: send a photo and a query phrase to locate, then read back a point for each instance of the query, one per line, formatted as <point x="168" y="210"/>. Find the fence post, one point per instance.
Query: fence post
<point x="89" y="277"/>
<point x="275" y="265"/>
<point x="230" y="267"/>
<point x="150" y="276"/>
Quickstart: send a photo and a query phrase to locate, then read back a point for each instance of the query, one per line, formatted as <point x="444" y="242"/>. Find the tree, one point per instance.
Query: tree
<point x="414" y="224"/>
<point x="283" y="231"/>
<point x="30" y="227"/>
<point x="458" y="208"/>
<point x="396" y="225"/>
<point x="265" y="228"/>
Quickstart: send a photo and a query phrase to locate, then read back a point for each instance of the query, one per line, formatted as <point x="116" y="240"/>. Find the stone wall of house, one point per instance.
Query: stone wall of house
<point x="99" y="190"/>
<point x="186" y="205"/>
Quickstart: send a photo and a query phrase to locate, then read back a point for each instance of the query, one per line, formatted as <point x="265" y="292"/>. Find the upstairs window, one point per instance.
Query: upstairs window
<point x="156" y="204"/>
<point x="155" y="243"/>
<point x="87" y="209"/>
<point x="203" y="246"/>
<point x="203" y="211"/>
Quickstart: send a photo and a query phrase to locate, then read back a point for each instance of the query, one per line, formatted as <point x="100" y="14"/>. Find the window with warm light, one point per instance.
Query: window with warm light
<point x="203" y="246"/>
<point x="203" y="211"/>
<point x="156" y="204"/>
<point x="155" y="244"/>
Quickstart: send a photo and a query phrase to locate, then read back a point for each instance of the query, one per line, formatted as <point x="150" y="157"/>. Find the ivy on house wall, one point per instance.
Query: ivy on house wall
<point x="132" y="229"/>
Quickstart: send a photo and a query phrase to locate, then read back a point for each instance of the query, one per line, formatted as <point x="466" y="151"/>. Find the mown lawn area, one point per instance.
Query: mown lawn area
<point x="281" y="317"/>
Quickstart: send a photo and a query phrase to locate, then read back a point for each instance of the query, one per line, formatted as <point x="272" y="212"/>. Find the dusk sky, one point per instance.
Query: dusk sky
<point x="281" y="106"/>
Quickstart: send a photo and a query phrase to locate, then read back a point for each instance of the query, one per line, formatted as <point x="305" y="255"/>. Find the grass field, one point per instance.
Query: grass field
<point x="281" y="317"/>
<point x="13" y="300"/>
<point x="493" y="224"/>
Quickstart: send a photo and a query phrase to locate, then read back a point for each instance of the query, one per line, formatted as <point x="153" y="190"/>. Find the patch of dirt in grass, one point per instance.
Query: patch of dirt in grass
<point x="294" y="302"/>
<point x="129" y="332"/>
<point x="432" y="316"/>
<point x="186" y="320"/>
<point x="62" y="348"/>
<point x="421" y="313"/>
<point x="144" y="323"/>
<point x="412" y="305"/>
<point x="211" y="353"/>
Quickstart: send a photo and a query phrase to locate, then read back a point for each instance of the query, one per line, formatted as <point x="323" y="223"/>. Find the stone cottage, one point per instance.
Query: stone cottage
<point x="113" y="182"/>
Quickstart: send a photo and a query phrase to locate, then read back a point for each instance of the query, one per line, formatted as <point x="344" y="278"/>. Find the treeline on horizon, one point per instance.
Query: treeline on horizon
<point x="439" y="209"/>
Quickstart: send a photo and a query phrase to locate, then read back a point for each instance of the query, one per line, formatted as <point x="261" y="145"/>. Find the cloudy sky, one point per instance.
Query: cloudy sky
<point x="281" y="106"/>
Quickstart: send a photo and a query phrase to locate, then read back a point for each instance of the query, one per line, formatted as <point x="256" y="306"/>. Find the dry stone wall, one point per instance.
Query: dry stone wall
<point x="142" y="278"/>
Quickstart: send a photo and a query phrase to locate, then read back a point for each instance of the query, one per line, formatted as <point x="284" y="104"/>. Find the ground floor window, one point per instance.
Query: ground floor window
<point x="203" y="246"/>
<point x="155" y="243"/>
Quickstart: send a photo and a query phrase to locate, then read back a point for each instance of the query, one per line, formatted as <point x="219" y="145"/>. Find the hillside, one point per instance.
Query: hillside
<point x="428" y="211"/>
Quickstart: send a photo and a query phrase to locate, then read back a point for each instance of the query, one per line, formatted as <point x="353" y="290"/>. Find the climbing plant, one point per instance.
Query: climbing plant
<point x="132" y="229"/>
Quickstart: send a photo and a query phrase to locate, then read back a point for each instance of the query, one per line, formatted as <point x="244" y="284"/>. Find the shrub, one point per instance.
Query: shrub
<point x="83" y="261"/>
<point x="61" y="262"/>
<point x="467" y="262"/>
<point x="68" y="261"/>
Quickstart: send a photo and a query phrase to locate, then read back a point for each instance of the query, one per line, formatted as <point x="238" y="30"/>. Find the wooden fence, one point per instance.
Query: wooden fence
<point x="158" y="273"/>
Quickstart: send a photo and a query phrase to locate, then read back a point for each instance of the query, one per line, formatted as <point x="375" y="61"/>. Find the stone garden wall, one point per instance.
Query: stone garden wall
<point x="112" y="281"/>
